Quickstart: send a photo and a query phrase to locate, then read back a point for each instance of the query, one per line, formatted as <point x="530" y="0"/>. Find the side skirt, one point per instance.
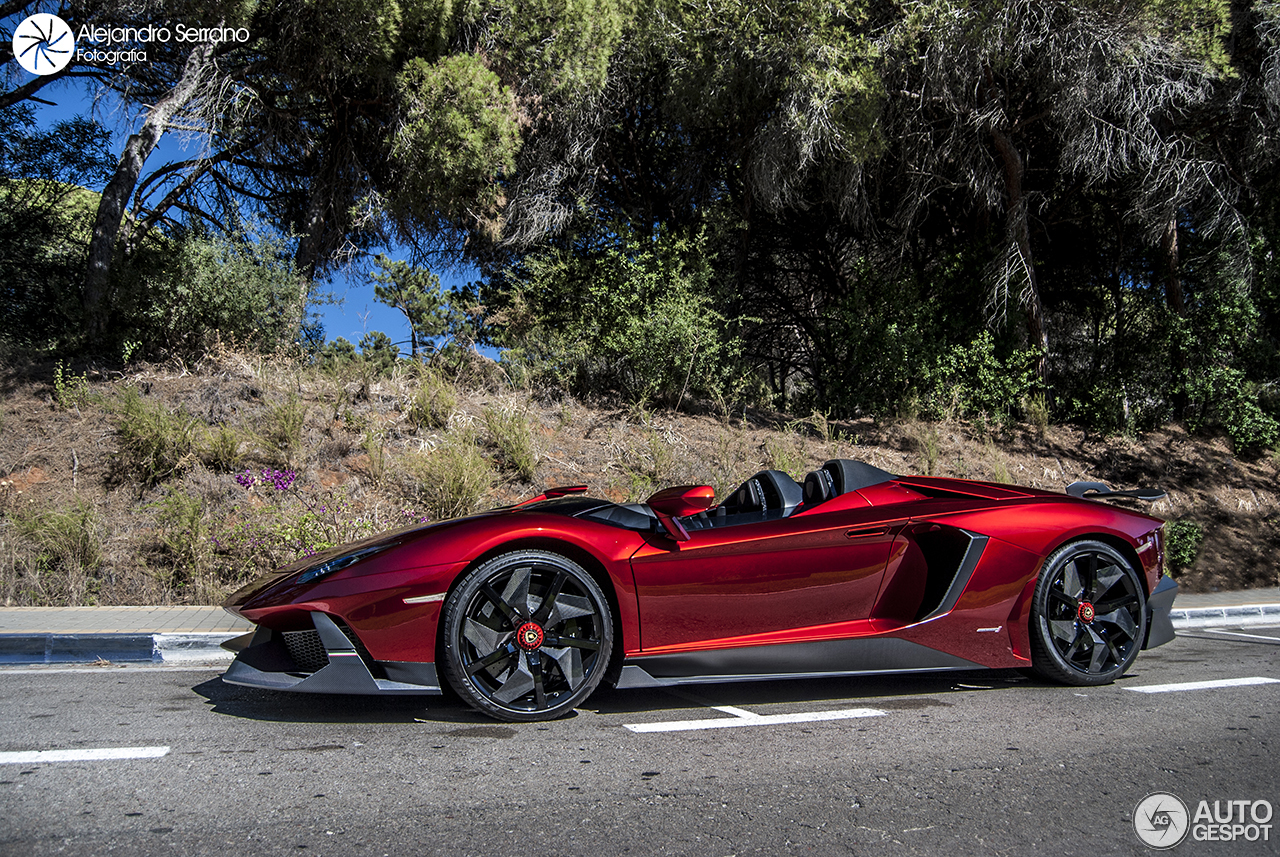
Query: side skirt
<point x="824" y="659"/>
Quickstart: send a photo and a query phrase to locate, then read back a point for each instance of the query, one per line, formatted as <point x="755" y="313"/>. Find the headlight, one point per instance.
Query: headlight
<point x="341" y="562"/>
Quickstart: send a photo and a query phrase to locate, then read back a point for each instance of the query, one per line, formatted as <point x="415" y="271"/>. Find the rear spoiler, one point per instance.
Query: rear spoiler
<point x="1099" y="491"/>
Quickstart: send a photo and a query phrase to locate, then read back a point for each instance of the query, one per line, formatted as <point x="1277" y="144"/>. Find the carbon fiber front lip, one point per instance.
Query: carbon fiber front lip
<point x="346" y="671"/>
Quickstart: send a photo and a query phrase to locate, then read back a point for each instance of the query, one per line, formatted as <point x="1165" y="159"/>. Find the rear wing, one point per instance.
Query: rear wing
<point x="1099" y="491"/>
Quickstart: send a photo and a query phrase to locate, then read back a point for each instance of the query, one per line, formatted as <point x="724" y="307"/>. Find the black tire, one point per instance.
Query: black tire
<point x="527" y="636"/>
<point x="1088" y="615"/>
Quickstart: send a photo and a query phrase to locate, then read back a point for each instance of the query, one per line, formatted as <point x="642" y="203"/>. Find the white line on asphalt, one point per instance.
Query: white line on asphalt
<point x="31" y="757"/>
<point x="749" y="719"/>
<point x="1240" y="634"/>
<point x="1204" y="685"/>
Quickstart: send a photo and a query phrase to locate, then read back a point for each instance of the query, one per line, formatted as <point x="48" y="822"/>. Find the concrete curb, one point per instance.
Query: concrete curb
<point x="1212" y="617"/>
<point x="117" y="648"/>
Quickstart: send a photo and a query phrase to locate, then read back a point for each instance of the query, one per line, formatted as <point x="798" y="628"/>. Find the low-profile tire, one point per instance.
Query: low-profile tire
<point x="527" y="636"/>
<point x="1088" y="615"/>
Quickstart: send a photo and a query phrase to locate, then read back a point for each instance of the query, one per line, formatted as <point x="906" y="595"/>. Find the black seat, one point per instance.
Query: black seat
<point x="770" y="493"/>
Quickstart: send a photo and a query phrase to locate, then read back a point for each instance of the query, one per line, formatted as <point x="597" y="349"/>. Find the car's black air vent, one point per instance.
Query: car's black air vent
<point x="306" y="650"/>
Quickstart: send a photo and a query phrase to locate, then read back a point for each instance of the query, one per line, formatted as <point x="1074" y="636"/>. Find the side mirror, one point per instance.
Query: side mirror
<point x="671" y="503"/>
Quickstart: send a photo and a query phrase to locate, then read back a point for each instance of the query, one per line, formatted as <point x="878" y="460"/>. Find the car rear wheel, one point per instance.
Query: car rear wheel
<point x="1088" y="615"/>
<point x="527" y="636"/>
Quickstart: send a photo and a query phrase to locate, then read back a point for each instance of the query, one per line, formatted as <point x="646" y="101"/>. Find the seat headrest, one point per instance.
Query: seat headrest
<point x="849" y="475"/>
<point x="818" y="488"/>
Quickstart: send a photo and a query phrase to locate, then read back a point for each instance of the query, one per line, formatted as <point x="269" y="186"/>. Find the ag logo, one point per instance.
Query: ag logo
<point x="43" y="44"/>
<point x="1161" y="820"/>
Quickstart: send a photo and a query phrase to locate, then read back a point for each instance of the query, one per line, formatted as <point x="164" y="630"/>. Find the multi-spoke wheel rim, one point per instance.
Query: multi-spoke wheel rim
<point x="1093" y="612"/>
<point x="531" y="637"/>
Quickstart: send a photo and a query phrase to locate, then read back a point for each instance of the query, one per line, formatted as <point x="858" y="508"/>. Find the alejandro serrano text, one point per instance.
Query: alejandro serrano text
<point x="151" y="33"/>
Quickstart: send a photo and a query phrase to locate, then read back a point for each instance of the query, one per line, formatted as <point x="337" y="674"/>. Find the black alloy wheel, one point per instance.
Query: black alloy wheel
<point x="1088" y="615"/>
<point x="527" y="636"/>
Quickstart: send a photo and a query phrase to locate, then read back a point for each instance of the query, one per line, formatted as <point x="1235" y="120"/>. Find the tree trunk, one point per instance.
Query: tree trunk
<point x="1018" y="231"/>
<point x="115" y="196"/>
<point x="1177" y="303"/>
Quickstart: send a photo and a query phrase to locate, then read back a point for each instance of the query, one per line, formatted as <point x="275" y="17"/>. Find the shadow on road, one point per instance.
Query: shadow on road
<point x="886" y="691"/>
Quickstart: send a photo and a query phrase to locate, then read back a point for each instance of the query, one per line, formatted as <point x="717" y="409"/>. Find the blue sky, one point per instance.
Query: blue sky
<point x="356" y="311"/>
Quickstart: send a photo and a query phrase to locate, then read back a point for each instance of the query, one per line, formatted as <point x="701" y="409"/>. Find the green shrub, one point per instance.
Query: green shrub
<point x="1182" y="542"/>
<point x="156" y="442"/>
<point x="511" y="433"/>
<point x="1223" y="396"/>
<point x="453" y="479"/>
<point x="180" y="295"/>
<point x="972" y="380"/>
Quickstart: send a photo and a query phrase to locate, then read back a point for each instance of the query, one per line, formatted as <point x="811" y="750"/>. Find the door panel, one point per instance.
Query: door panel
<point x="761" y="577"/>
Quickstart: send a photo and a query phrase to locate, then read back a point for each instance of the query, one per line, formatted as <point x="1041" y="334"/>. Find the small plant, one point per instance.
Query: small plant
<point x="284" y="426"/>
<point x="928" y="444"/>
<point x="513" y="436"/>
<point x="786" y="452"/>
<point x="649" y="464"/>
<point x="433" y="403"/>
<point x="69" y="390"/>
<point x="451" y="480"/>
<point x="221" y="448"/>
<point x="999" y="466"/>
<point x="1038" y="413"/>
<point x="373" y="446"/>
<point x="1182" y="543"/>
<point x="183" y="539"/>
<point x="155" y="441"/>
<point x="820" y="422"/>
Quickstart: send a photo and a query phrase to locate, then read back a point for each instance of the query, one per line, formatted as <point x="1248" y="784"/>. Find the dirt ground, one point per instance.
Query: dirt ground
<point x="60" y="445"/>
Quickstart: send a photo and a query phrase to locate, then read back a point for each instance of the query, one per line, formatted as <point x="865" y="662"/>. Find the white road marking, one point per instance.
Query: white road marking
<point x="1204" y="685"/>
<point x="1241" y="634"/>
<point x="749" y="719"/>
<point x="31" y="757"/>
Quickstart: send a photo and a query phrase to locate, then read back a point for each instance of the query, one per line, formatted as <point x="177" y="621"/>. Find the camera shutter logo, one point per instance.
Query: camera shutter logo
<point x="43" y="44"/>
<point x="1161" y="820"/>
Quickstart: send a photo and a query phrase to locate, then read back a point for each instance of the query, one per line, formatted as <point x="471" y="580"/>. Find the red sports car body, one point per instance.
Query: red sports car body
<point x="525" y="610"/>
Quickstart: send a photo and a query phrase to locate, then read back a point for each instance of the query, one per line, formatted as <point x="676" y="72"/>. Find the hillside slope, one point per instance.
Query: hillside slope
<point x="175" y="483"/>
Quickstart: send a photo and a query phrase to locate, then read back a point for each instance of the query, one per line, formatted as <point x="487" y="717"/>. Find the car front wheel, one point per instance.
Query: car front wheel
<point x="527" y="636"/>
<point x="1088" y="615"/>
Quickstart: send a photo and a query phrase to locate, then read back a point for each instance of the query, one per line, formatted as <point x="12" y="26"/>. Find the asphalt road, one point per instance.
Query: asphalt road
<point x="959" y="763"/>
